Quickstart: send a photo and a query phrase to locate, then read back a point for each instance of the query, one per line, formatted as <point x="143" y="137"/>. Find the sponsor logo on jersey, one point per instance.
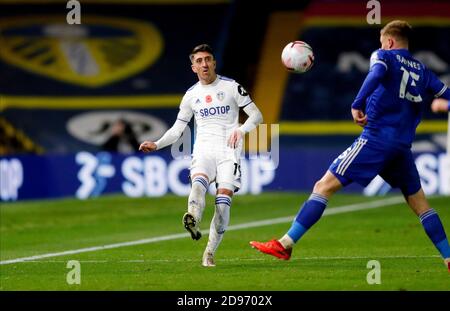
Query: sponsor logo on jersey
<point x="214" y="111"/>
<point x="198" y="101"/>
<point x="220" y="95"/>
<point x="100" y="51"/>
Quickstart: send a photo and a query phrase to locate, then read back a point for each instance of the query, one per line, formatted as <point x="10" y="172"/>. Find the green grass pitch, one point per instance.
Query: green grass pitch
<point x="333" y="255"/>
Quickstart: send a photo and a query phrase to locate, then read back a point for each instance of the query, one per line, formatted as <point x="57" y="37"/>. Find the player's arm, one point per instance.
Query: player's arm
<point x="378" y="68"/>
<point x="167" y="139"/>
<point x="254" y="119"/>
<point x="441" y="92"/>
<point x="172" y="135"/>
<point x="244" y="101"/>
<point x="373" y="79"/>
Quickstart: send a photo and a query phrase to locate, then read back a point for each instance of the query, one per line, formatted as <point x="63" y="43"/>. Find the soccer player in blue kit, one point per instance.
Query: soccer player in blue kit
<point x="388" y="107"/>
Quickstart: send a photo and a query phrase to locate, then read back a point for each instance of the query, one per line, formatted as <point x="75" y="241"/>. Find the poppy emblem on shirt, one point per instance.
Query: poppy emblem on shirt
<point x="220" y="95"/>
<point x="208" y="99"/>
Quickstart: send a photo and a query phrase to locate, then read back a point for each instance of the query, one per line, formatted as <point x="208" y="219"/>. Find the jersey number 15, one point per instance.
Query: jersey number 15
<point x="404" y="83"/>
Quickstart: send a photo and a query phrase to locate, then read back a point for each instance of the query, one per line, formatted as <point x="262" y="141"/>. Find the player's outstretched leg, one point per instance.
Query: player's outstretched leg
<point x="308" y="215"/>
<point x="196" y="206"/>
<point x="433" y="227"/>
<point x="431" y="223"/>
<point x="218" y="226"/>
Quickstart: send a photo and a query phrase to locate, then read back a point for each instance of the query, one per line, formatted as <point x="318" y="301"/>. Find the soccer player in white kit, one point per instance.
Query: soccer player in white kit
<point x="214" y="102"/>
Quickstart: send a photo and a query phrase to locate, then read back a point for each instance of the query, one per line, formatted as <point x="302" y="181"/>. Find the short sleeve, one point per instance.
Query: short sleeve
<point x="185" y="113"/>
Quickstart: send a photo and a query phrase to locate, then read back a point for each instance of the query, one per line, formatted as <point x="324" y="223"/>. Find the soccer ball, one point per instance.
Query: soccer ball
<point x="297" y="56"/>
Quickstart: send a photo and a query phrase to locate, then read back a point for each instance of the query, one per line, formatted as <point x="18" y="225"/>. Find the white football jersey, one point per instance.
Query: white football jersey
<point x="215" y="107"/>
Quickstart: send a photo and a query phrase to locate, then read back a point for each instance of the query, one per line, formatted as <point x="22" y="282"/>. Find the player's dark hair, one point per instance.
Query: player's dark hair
<point x="400" y="30"/>
<point x="201" y="48"/>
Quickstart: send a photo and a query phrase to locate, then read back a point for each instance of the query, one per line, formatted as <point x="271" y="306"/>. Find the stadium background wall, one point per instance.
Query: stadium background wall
<point x="85" y="175"/>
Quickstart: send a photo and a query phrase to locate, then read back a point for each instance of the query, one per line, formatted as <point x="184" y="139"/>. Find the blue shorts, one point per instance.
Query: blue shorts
<point x="365" y="159"/>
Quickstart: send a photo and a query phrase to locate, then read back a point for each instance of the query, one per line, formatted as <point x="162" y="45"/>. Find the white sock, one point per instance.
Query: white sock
<point x="196" y="201"/>
<point x="219" y="222"/>
<point x="286" y="241"/>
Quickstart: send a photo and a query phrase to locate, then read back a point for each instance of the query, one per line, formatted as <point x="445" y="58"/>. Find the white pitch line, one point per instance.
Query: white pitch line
<point x="240" y="259"/>
<point x="253" y="224"/>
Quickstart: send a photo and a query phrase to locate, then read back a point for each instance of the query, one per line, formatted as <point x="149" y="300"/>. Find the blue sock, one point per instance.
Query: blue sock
<point x="309" y="214"/>
<point x="435" y="231"/>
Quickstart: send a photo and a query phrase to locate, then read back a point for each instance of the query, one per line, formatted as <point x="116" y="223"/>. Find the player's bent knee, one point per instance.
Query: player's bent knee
<point x="199" y="174"/>
<point x="327" y="185"/>
<point x="225" y="188"/>
<point x="321" y="187"/>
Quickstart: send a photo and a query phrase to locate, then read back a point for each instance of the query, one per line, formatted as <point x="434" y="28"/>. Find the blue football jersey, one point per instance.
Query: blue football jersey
<point x="402" y="87"/>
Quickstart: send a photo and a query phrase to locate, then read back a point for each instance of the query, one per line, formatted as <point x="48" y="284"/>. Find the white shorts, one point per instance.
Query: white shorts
<point x="225" y="170"/>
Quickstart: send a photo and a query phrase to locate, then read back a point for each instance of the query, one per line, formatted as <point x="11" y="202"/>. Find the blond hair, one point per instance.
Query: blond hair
<point x="400" y="30"/>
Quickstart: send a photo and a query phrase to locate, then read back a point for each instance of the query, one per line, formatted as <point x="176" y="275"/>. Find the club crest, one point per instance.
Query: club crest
<point x="97" y="52"/>
<point x="220" y="95"/>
